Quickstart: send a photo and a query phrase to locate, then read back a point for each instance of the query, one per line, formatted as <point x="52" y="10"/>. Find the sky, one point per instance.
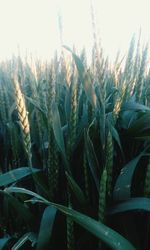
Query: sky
<point x="32" y="25"/>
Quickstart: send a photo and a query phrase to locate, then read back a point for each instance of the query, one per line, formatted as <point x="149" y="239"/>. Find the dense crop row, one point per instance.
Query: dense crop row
<point x="74" y="141"/>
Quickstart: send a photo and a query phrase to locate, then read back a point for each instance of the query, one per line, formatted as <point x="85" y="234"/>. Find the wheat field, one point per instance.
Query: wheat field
<point x="75" y="151"/>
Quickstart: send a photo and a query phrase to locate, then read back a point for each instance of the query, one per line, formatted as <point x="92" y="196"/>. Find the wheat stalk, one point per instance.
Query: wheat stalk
<point x="109" y="162"/>
<point x="102" y="199"/>
<point x="53" y="166"/>
<point x="24" y="121"/>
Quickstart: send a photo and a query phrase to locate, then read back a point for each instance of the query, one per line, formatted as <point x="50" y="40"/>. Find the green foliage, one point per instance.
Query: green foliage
<point x="4" y="241"/>
<point x="109" y="236"/>
<point x="122" y="189"/>
<point x="133" y="204"/>
<point x="26" y="237"/>
<point x="46" y="227"/>
<point x="16" y="175"/>
<point x="83" y="132"/>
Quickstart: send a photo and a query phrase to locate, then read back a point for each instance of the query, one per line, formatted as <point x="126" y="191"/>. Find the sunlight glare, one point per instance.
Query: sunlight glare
<point x="33" y="25"/>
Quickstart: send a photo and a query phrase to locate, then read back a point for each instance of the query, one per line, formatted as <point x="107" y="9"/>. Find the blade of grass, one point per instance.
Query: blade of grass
<point x="102" y="232"/>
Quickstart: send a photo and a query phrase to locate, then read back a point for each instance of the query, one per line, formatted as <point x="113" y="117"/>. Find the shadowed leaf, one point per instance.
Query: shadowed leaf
<point x="102" y="232"/>
<point x="46" y="228"/>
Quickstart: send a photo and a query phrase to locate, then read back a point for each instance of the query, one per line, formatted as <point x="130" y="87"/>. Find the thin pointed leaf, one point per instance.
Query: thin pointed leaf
<point x="78" y="63"/>
<point x="115" y="135"/>
<point x="46" y="228"/>
<point x="134" y="106"/>
<point x="16" y="175"/>
<point x="23" y="191"/>
<point x="92" y="160"/>
<point x="111" y="238"/>
<point x="122" y="189"/>
<point x="85" y="78"/>
<point x="57" y="129"/>
<point x="132" y="204"/>
<point x="28" y="236"/>
<point x="102" y="232"/>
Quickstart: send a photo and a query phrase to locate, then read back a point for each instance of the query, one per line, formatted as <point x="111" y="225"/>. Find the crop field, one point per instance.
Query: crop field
<point x="75" y="152"/>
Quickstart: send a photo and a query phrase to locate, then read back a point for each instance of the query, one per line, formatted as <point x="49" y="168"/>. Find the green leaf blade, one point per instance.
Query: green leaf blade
<point x="102" y="232"/>
<point x="16" y="175"/>
<point x="47" y="223"/>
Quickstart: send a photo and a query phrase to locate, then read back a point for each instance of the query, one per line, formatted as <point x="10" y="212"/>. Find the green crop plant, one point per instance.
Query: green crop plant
<point x="74" y="143"/>
<point x="24" y="122"/>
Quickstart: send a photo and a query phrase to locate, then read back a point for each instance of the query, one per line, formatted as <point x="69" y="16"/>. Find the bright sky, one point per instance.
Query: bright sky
<point x="33" y="25"/>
